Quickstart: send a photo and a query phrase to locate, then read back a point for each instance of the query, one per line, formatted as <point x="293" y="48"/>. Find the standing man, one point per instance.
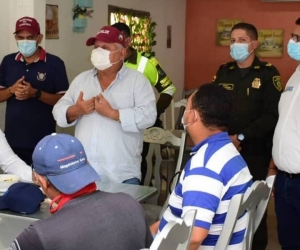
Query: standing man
<point x="31" y="82"/>
<point x="150" y="67"/>
<point x="214" y="174"/>
<point x="256" y="88"/>
<point x="82" y="216"/>
<point x="286" y="155"/>
<point x="110" y="106"/>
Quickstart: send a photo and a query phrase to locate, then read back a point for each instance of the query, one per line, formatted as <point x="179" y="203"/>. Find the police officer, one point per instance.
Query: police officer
<point x="256" y="87"/>
<point x="148" y="65"/>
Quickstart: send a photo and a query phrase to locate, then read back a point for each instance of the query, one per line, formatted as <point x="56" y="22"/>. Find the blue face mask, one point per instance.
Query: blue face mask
<point x="27" y="47"/>
<point x="239" y="51"/>
<point x="293" y="50"/>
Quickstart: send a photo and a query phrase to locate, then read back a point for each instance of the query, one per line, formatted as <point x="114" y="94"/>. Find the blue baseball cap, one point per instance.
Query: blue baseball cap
<point x="22" y="198"/>
<point x="62" y="159"/>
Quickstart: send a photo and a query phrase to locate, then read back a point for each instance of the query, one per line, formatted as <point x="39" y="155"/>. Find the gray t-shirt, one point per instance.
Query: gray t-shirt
<point x="97" y="221"/>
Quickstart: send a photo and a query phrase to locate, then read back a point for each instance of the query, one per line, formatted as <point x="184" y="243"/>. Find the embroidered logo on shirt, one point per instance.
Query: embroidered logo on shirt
<point x="289" y="89"/>
<point x="41" y="76"/>
<point x="277" y="83"/>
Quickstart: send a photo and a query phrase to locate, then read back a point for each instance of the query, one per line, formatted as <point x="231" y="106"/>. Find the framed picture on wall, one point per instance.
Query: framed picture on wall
<point x="270" y="43"/>
<point x="224" y="27"/>
<point x="52" y="31"/>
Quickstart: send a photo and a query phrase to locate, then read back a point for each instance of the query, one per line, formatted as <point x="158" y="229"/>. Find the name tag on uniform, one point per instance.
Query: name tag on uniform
<point x="256" y="83"/>
<point x="227" y="86"/>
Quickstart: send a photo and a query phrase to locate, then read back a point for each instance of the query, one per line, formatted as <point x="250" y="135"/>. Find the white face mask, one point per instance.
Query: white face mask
<point x="100" y="58"/>
<point x="188" y="124"/>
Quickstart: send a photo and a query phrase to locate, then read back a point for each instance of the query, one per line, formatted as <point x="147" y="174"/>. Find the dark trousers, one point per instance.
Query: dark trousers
<point x="24" y="153"/>
<point x="258" y="166"/>
<point x="287" y="207"/>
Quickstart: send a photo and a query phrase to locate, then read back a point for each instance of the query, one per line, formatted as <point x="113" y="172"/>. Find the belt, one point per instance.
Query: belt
<point x="288" y="175"/>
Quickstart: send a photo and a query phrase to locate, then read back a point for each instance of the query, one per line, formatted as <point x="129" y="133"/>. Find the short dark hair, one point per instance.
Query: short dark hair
<point x="249" y="28"/>
<point x="297" y="21"/>
<point x="214" y="104"/>
<point x="122" y="27"/>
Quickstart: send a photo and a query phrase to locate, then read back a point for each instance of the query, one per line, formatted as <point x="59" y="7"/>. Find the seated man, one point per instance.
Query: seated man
<point x="10" y="163"/>
<point x="214" y="174"/>
<point x="83" y="218"/>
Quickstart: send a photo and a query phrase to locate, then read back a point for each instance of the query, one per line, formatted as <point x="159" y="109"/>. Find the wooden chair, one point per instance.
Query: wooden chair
<point x="176" y="235"/>
<point x="158" y="137"/>
<point x="255" y="202"/>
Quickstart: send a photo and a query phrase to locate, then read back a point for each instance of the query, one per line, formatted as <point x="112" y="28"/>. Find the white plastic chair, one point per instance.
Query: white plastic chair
<point x="158" y="137"/>
<point x="255" y="202"/>
<point x="176" y="234"/>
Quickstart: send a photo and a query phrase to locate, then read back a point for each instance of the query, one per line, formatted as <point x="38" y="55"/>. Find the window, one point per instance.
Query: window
<point x="140" y="24"/>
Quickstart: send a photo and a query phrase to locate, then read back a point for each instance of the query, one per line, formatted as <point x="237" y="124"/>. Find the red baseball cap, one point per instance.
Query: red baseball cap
<point x="28" y="23"/>
<point x="107" y="34"/>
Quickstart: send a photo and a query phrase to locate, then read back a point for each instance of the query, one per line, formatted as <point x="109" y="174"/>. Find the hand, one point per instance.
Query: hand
<point x="24" y="91"/>
<point x="236" y="142"/>
<point x="154" y="227"/>
<point x="103" y="107"/>
<point x="17" y="86"/>
<point x="85" y="107"/>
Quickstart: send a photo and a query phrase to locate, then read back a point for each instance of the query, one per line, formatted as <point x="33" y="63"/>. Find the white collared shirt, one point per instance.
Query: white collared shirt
<point x="10" y="163"/>
<point x="286" y="140"/>
<point x="112" y="148"/>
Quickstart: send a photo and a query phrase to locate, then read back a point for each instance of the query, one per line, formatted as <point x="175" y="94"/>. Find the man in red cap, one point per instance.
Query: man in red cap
<point x="31" y="82"/>
<point x="111" y="106"/>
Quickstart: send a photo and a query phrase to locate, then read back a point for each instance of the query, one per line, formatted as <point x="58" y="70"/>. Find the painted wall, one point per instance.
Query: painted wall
<point x="203" y="56"/>
<point x="71" y="46"/>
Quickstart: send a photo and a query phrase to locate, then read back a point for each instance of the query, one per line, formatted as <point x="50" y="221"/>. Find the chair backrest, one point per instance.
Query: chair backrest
<point x="157" y="137"/>
<point x="11" y="226"/>
<point x="255" y="202"/>
<point x="179" y="105"/>
<point x="176" y="235"/>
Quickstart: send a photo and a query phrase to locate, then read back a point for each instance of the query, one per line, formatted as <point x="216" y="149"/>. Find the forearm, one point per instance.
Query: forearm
<point x="163" y="103"/>
<point x="73" y="113"/>
<point x="50" y="99"/>
<point x="261" y="127"/>
<point x="5" y="94"/>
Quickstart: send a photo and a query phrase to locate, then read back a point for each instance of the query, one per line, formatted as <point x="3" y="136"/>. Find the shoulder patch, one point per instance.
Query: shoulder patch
<point x="277" y="83"/>
<point x="268" y="64"/>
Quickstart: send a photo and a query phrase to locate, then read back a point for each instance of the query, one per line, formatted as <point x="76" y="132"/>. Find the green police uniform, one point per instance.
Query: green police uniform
<point x="149" y="66"/>
<point x="256" y="92"/>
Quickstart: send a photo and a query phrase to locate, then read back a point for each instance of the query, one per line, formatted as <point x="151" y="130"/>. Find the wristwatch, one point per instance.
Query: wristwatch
<point x="38" y="94"/>
<point x="240" y="137"/>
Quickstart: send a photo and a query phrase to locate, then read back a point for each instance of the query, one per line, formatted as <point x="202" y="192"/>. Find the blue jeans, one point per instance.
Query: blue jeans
<point x="287" y="207"/>
<point x="134" y="181"/>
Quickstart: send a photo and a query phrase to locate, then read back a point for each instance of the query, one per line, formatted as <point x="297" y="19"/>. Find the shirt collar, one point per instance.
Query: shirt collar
<point x="215" y="137"/>
<point x="42" y="56"/>
<point x="133" y="57"/>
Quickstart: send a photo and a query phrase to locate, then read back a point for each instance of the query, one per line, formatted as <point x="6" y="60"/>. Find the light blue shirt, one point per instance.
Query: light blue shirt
<point x="112" y="148"/>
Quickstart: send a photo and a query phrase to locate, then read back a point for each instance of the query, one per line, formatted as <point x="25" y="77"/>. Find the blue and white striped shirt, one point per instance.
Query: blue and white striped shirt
<point x="214" y="174"/>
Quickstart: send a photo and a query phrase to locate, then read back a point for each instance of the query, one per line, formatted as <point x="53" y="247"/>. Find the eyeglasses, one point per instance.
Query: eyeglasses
<point x="295" y="37"/>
